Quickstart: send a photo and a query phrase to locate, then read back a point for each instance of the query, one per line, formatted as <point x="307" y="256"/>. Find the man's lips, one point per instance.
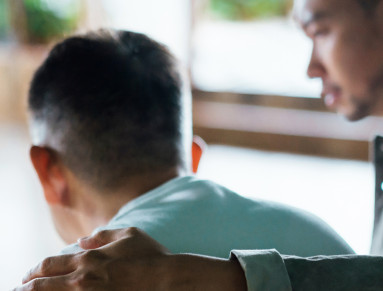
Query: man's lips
<point x="330" y="99"/>
<point x="331" y="94"/>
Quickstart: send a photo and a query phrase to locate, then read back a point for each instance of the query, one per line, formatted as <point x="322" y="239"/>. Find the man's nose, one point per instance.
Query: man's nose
<point x="315" y="68"/>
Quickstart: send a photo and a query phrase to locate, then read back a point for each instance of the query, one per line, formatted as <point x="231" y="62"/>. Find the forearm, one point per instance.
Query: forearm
<point x="267" y="270"/>
<point x="335" y="273"/>
<point x="137" y="262"/>
<point x="190" y="272"/>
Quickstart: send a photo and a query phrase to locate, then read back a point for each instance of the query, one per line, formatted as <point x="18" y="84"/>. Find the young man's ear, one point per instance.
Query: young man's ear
<point x="198" y="147"/>
<point x="50" y="174"/>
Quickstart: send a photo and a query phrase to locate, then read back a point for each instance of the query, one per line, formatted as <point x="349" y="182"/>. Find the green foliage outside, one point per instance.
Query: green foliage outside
<point x="45" y="22"/>
<point x="4" y="19"/>
<point x="249" y="9"/>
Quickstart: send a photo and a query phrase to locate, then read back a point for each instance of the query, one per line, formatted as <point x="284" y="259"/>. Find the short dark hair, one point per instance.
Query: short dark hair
<point x="114" y="97"/>
<point x="368" y="5"/>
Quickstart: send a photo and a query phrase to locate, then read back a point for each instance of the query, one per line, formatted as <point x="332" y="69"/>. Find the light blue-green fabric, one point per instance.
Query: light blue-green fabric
<point x="189" y="215"/>
<point x="264" y="270"/>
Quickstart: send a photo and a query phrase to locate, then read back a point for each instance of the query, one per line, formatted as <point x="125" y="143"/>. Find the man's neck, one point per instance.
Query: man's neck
<point x="98" y="208"/>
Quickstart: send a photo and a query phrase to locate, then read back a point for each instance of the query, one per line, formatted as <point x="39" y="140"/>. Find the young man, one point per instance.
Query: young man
<point x="347" y="55"/>
<point x="106" y="123"/>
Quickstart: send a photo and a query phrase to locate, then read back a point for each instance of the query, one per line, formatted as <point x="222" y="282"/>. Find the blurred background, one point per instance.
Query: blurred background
<point x="269" y="135"/>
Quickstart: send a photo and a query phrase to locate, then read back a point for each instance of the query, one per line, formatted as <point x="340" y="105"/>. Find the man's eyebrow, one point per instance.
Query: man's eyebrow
<point x="315" y="17"/>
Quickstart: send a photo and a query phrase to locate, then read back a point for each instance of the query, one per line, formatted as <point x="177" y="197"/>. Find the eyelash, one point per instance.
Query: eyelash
<point x="319" y="32"/>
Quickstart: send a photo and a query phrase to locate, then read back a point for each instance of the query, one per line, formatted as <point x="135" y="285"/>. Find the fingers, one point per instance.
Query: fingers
<point x="44" y="284"/>
<point x="123" y="249"/>
<point x="104" y="237"/>
<point x="52" y="266"/>
<point x="133" y="243"/>
<point x="128" y="241"/>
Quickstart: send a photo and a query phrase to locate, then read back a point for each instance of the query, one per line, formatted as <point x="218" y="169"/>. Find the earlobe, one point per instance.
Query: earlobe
<point x="50" y="175"/>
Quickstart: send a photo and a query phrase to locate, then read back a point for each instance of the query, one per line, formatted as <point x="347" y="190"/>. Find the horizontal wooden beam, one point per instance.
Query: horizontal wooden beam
<point x="344" y="149"/>
<point x="282" y="129"/>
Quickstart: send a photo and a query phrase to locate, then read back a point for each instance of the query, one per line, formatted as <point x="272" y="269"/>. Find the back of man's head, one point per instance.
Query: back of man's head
<point x="110" y="104"/>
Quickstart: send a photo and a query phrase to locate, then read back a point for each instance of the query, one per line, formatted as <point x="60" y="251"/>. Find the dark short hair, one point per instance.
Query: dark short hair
<point x="368" y="5"/>
<point x="114" y="97"/>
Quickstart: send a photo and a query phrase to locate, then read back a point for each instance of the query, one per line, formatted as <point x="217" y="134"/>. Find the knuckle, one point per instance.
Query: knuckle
<point x="45" y="265"/>
<point x="133" y="231"/>
<point x="35" y="285"/>
<point x="102" y="234"/>
<point x="92" y="257"/>
<point x="85" y="280"/>
<point x="89" y="256"/>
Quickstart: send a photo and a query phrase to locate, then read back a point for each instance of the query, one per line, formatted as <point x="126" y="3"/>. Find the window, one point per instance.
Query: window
<point x="167" y="21"/>
<point x="250" y="46"/>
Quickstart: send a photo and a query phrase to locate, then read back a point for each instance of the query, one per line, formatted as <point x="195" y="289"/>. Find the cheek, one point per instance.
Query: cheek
<point x="349" y="64"/>
<point x="359" y="49"/>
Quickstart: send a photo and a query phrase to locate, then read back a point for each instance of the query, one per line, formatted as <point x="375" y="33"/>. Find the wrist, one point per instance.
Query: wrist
<point x="192" y="272"/>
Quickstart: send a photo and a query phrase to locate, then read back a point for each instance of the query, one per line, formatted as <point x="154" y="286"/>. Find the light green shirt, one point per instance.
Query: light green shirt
<point x="189" y="215"/>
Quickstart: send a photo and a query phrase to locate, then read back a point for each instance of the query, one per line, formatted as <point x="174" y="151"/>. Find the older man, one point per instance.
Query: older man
<point x="347" y="55"/>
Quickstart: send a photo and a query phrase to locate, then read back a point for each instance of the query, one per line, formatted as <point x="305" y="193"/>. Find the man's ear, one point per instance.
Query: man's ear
<point x="198" y="147"/>
<point x="50" y="173"/>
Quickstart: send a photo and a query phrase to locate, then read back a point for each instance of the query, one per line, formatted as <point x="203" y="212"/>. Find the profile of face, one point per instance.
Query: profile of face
<point x="347" y="53"/>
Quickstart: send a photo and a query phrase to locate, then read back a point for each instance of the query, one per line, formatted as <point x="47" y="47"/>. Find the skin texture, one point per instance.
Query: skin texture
<point x="127" y="254"/>
<point x="346" y="55"/>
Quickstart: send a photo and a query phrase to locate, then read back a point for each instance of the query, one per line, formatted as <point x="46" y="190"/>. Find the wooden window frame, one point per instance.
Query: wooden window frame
<point x="297" y="125"/>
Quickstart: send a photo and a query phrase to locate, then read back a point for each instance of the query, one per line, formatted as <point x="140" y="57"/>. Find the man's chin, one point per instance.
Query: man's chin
<point x="354" y="115"/>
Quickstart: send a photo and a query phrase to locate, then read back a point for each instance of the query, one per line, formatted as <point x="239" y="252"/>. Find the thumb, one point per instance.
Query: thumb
<point x="101" y="238"/>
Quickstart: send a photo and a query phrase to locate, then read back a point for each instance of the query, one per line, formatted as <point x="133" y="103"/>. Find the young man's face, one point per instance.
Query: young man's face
<point x="347" y="54"/>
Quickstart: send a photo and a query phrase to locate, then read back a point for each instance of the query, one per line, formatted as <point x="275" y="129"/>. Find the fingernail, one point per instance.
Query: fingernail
<point x="82" y="239"/>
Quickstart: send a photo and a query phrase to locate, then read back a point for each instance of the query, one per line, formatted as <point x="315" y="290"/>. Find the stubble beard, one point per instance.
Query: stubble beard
<point x="371" y="103"/>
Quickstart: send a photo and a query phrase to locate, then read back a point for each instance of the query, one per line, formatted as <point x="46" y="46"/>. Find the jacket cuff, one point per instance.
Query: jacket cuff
<point x="264" y="270"/>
